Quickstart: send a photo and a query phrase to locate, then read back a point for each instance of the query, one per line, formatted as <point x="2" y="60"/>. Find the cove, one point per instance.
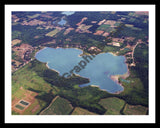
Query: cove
<point x="98" y="71"/>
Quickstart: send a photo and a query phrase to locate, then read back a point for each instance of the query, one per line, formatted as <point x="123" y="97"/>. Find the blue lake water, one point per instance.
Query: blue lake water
<point x="68" y="12"/>
<point x="62" y="22"/>
<point x="97" y="70"/>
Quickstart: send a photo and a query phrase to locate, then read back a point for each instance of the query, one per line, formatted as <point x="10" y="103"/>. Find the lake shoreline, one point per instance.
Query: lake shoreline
<point x="52" y="69"/>
<point x="114" y="78"/>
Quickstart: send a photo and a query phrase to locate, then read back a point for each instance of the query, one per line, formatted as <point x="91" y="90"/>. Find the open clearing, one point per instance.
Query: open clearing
<point x="25" y="83"/>
<point x="16" y="41"/>
<point x="58" y="106"/>
<point x="52" y="33"/>
<point x="81" y="111"/>
<point x="135" y="110"/>
<point x="23" y="101"/>
<point x="113" y="105"/>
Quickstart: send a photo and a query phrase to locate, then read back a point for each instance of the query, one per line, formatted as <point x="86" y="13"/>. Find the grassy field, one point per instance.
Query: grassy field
<point x="134" y="91"/>
<point x="59" y="106"/>
<point x="52" y="33"/>
<point x="135" y="110"/>
<point x="27" y="78"/>
<point x="27" y="85"/>
<point x="110" y="49"/>
<point x="105" y="27"/>
<point x="81" y="111"/>
<point x="113" y="105"/>
<point x="33" y="107"/>
<point x="33" y="16"/>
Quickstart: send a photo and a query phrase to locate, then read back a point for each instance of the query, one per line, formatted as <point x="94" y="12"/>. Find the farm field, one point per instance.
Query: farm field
<point x="52" y="33"/>
<point x="16" y="41"/>
<point x="105" y="27"/>
<point x="135" y="110"/>
<point x="59" y="106"/>
<point x="81" y="111"/>
<point x="24" y="102"/>
<point x="27" y="86"/>
<point x="113" y="105"/>
<point x="27" y="78"/>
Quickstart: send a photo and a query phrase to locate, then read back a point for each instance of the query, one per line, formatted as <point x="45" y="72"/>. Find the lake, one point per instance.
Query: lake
<point x="97" y="69"/>
<point x="62" y="22"/>
<point x="68" y="12"/>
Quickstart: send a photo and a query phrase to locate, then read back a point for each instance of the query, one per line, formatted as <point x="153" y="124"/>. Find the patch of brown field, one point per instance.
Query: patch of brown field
<point x="135" y="110"/>
<point x="118" y="40"/>
<point x="35" y="108"/>
<point x="44" y="15"/>
<point x="16" y="41"/>
<point x="99" y="32"/>
<point x="110" y="22"/>
<point x="101" y="22"/>
<point x="83" y="19"/>
<point x="36" y="37"/>
<point x="16" y="100"/>
<point x="50" y="42"/>
<point x="33" y="22"/>
<point x="142" y="12"/>
<point x="29" y="97"/>
<point x="22" y="49"/>
<point x="16" y="63"/>
<point x="105" y="34"/>
<point x="68" y="30"/>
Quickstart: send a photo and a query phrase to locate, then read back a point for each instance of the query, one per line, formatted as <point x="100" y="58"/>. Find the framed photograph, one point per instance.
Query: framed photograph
<point x="80" y="63"/>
